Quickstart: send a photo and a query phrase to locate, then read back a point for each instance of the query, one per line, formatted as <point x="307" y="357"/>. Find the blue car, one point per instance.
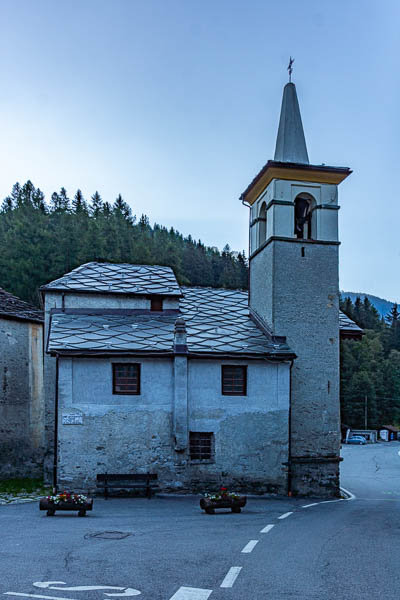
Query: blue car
<point x="356" y="439"/>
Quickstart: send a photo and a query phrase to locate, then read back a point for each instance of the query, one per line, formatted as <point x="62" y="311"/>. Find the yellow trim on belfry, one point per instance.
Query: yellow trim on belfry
<point x="292" y="174"/>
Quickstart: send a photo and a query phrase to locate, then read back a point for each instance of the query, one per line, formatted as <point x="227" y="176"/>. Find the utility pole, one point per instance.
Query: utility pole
<point x="366" y="413"/>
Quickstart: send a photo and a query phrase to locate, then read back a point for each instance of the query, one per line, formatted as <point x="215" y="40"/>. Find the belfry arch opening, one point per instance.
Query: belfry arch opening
<point x="262" y="224"/>
<point x="304" y="223"/>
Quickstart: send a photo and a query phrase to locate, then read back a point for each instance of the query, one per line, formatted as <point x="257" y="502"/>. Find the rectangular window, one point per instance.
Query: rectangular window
<point x="156" y="304"/>
<point x="126" y="378"/>
<point x="234" y="380"/>
<point x="201" y="446"/>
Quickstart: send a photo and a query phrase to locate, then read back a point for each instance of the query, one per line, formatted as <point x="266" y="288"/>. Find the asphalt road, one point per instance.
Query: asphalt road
<point x="170" y="550"/>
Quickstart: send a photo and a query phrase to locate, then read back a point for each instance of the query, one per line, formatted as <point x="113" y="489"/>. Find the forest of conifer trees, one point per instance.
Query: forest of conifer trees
<point x="40" y="241"/>
<point x="370" y="369"/>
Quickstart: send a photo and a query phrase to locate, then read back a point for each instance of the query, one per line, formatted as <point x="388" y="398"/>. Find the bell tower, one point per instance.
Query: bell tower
<point x="294" y="292"/>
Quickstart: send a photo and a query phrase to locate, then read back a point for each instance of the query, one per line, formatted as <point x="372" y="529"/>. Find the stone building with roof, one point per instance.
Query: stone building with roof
<point x="21" y="390"/>
<point x="210" y="386"/>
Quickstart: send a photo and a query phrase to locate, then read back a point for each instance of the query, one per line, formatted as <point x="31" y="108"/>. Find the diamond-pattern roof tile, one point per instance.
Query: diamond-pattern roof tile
<point x="217" y="321"/>
<point x="118" y="279"/>
<point x="111" y="332"/>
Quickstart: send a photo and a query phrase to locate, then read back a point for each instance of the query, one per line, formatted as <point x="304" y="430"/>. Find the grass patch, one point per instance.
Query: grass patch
<point x="22" y="485"/>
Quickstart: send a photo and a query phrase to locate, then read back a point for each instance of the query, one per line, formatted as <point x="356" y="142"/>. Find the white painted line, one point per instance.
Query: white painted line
<point x="285" y="515"/>
<point x="352" y="496"/>
<point x="189" y="593"/>
<point x="266" y="529"/>
<point x="230" y="577"/>
<point x="36" y="596"/>
<point x="398" y="453"/>
<point x="250" y="546"/>
<point x="308" y="505"/>
<point x="87" y="588"/>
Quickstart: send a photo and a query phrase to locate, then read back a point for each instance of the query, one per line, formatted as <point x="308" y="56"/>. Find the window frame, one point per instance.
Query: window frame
<point x="242" y="393"/>
<point x="203" y="461"/>
<point x="126" y="364"/>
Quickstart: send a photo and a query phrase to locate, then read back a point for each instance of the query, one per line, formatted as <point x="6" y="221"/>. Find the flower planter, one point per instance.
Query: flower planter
<point x="51" y="507"/>
<point x="236" y="504"/>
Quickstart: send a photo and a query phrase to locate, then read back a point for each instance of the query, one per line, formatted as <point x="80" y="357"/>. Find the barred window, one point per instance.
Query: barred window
<point x="201" y="445"/>
<point x="234" y="380"/>
<point x="126" y="378"/>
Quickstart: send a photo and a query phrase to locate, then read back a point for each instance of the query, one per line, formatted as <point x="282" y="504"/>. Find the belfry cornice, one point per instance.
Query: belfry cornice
<point x="293" y="172"/>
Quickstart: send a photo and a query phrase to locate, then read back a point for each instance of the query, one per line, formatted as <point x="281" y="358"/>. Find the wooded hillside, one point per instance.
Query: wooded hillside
<point x="41" y="241"/>
<point x="370" y="369"/>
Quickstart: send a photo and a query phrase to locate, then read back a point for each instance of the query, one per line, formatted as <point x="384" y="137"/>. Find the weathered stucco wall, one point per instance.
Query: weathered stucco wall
<point x="81" y="301"/>
<point x="135" y="433"/>
<point x="251" y="432"/>
<point x="21" y="399"/>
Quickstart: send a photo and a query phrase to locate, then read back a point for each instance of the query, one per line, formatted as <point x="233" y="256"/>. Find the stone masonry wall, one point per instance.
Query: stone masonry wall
<point x="305" y="308"/>
<point x="21" y="399"/>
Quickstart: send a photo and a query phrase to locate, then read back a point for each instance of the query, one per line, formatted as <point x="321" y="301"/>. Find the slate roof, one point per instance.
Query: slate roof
<point x="217" y="322"/>
<point x="348" y="327"/>
<point x="12" y="307"/>
<point x="118" y="279"/>
<point x="111" y="332"/>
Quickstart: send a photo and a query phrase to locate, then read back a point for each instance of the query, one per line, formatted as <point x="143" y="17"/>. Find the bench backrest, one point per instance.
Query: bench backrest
<point x="126" y="477"/>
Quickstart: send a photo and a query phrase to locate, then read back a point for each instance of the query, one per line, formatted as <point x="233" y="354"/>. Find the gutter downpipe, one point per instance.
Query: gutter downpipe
<point x="55" y="449"/>
<point x="289" y="475"/>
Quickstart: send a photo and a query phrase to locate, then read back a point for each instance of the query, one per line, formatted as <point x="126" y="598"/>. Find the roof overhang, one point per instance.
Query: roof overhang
<point x="292" y="171"/>
<point x="351" y="334"/>
<point x="46" y="289"/>
<point x="11" y="317"/>
<point x="86" y="353"/>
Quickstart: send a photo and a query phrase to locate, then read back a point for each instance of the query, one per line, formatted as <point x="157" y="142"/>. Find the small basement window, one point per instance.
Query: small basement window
<point x="156" y="304"/>
<point x="201" y="445"/>
<point x="234" y="380"/>
<point x="126" y="378"/>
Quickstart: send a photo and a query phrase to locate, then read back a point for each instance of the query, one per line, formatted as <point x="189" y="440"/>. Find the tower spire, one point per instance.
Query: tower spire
<point x="290" y="141"/>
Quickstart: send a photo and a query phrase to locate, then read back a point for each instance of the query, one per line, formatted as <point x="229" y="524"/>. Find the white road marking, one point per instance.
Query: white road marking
<point x="285" y="515"/>
<point x="189" y="593"/>
<point x="250" y="546"/>
<point x="36" y="596"/>
<point x="398" y="453"/>
<point x="230" y="577"/>
<point x="266" y="529"/>
<point x="87" y="588"/>
<point x="308" y="505"/>
<point x="352" y="496"/>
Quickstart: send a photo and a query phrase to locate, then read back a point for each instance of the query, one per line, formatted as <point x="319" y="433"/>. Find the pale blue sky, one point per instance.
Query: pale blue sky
<point x="175" y="105"/>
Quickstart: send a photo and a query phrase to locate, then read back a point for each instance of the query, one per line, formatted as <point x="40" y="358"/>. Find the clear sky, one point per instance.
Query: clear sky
<point x="175" y="105"/>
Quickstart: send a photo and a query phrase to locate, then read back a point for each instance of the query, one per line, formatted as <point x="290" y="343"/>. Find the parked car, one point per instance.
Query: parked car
<point x="356" y="439"/>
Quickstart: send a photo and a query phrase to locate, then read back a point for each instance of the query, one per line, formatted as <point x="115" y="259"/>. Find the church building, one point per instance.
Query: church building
<point x="208" y="387"/>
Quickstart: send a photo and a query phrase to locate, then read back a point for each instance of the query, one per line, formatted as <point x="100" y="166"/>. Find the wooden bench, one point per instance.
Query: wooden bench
<point x="144" y="481"/>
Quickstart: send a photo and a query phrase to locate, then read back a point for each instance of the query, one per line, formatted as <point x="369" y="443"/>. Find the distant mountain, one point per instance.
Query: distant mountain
<point x="382" y="306"/>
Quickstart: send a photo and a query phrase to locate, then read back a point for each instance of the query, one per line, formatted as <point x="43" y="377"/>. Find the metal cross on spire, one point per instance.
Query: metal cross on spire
<point x="290" y="68"/>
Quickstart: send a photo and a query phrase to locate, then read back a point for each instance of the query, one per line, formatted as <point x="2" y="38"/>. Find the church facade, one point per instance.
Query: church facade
<point x="209" y="386"/>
